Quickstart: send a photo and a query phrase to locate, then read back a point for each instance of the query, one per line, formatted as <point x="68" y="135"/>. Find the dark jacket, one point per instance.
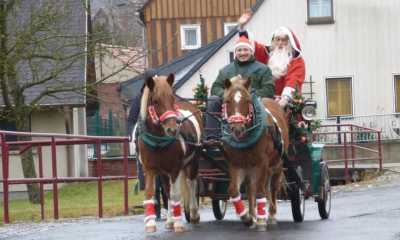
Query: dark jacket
<point x="260" y="75"/>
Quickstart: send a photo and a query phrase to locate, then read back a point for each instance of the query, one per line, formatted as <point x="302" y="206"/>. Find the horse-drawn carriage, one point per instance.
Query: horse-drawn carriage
<point x="257" y="146"/>
<point x="306" y="174"/>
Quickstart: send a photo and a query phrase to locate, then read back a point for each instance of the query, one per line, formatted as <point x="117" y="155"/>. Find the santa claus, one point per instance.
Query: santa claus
<point x="284" y="58"/>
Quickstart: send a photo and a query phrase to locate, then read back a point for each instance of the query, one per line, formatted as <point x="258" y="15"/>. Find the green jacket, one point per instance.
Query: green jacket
<point x="260" y="74"/>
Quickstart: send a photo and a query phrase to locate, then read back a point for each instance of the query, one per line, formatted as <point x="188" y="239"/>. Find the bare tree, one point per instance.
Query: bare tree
<point x="39" y="49"/>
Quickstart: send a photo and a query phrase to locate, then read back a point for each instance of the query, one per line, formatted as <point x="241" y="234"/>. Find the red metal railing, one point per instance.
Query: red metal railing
<point x="54" y="140"/>
<point x="341" y="139"/>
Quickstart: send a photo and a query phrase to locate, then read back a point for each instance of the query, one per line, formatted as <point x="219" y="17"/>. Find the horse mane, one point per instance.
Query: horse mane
<point x="161" y="89"/>
<point x="144" y="102"/>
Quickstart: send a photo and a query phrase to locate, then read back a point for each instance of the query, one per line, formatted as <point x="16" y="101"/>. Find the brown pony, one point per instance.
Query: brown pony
<point x="163" y="117"/>
<point x="260" y="164"/>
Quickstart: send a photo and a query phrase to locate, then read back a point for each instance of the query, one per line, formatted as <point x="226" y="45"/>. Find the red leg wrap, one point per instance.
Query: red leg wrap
<point x="239" y="207"/>
<point x="176" y="210"/>
<point x="261" y="213"/>
<point x="149" y="210"/>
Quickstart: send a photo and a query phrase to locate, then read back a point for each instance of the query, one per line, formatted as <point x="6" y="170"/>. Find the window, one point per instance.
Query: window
<point x="231" y="57"/>
<point x="339" y="97"/>
<point x="397" y="93"/>
<point x="228" y="27"/>
<point x="320" y="11"/>
<point x="8" y="126"/>
<point x="190" y="37"/>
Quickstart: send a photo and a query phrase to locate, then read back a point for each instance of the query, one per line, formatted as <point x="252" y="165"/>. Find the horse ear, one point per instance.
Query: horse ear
<point x="227" y="83"/>
<point x="247" y="83"/>
<point x="150" y="83"/>
<point x="170" y="79"/>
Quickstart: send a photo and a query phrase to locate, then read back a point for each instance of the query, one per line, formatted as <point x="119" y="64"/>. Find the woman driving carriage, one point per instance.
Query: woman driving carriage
<point x="245" y="65"/>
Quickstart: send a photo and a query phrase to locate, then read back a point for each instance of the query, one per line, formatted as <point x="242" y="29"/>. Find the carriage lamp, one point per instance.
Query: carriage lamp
<point x="309" y="110"/>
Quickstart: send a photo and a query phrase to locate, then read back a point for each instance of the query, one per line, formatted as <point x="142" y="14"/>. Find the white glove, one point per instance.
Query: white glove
<point x="283" y="101"/>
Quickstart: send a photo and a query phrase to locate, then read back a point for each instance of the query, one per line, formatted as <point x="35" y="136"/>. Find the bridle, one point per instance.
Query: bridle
<point x="237" y="117"/>
<point x="157" y="120"/>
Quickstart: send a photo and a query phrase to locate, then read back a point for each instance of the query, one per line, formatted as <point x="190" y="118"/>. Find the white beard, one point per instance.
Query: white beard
<point x="279" y="61"/>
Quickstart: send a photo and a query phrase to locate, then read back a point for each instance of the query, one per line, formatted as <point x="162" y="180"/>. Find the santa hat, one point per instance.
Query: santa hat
<point x="244" y="42"/>
<point x="284" y="31"/>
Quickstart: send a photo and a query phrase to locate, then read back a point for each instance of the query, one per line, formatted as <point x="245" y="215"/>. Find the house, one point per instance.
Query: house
<point x="354" y="68"/>
<point x="118" y="18"/>
<point x="174" y="27"/>
<point x="62" y="112"/>
<point x="183" y="67"/>
<point x="120" y="56"/>
<point x="116" y="64"/>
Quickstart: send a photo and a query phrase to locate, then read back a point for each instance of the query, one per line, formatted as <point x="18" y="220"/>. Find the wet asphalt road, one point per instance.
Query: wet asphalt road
<point x="368" y="214"/>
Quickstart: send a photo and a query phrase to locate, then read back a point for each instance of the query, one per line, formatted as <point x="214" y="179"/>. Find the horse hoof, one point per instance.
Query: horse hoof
<point x="179" y="228"/>
<point x="272" y="224"/>
<point x="195" y="220"/>
<point x="247" y="220"/>
<point x="169" y="225"/>
<point x="253" y="225"/>
<point x="194" y="217"/>
<point x="261" y="227"/>
<point x="150" y="226"/>
<point x="150" y="229"/>
<point x="272" y="221"/>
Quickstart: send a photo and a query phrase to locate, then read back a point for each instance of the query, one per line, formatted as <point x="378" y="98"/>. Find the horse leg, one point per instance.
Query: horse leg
<point x="149" y="204"/>
<point x="169" y="223"/>
<point x="262" y="176"/>
<point x="176" y="201"/>
<point x="251" y="194"/>
<point x="191" y="186"/>
<point x="190" y="191"/>
<point x="275" y="186"/>
<point x="234" y="193"/>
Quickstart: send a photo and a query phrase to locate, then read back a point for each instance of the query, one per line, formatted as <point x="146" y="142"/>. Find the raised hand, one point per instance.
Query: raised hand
<point x="247" y="14"/>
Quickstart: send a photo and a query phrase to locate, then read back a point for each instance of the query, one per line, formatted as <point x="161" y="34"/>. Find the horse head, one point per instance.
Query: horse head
<point x="158" y="104"/>
<point x="237" y="108"/>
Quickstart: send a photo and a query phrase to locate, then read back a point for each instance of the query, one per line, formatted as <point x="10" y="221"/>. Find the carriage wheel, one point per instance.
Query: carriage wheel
<point x="219" y="208"/>
<point x="324" y="202"/>
<point x="297" y="202"/>
<point x="186" y="206"/>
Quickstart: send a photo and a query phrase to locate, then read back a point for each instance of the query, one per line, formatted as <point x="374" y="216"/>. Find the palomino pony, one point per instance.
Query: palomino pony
<point x="166" y="130"/>
<point x="249" y="136"/>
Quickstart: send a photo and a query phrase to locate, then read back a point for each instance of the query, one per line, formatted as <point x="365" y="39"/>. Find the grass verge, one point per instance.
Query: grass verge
<point x="78" y="200"/>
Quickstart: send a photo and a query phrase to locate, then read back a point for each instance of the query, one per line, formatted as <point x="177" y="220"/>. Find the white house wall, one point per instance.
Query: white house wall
<point x="53" y="121"/>
<point x="49" y="122"/>
<point x="362" y="43"/>
<point x="209" y="70"/>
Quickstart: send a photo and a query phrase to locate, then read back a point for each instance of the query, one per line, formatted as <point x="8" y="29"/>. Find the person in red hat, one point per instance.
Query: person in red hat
<point x="283" y="56"/>
<point x="245" y="65"/>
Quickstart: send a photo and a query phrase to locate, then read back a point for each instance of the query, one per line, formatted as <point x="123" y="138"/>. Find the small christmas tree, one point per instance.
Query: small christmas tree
<point x="201" y="90"/>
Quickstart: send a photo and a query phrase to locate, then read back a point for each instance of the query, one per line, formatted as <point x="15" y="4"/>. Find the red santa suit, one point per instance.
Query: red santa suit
<point x="295" y="75"/>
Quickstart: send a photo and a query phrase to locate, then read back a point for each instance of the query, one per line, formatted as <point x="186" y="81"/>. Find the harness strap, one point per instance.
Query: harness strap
<point x="167" y="114"/>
